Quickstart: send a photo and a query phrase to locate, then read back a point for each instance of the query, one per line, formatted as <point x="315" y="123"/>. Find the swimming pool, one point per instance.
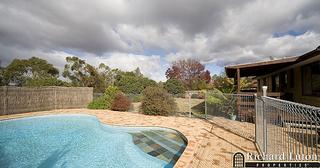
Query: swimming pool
<point x="82" y="141"/>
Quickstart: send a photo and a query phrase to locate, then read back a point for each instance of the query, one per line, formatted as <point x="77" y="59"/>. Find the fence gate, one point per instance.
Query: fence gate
<point x="287" y="128"/>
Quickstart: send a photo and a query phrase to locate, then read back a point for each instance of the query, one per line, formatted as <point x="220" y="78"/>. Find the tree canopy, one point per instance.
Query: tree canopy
<point x="133" y="82"/>
<point x="19" y="71"/>
<point x="190" y="72"/>
<point x="223" y="83"/>
<point x="81" y="73"/>
<point x="226" y="85"/>
<point x="174" y="86"/>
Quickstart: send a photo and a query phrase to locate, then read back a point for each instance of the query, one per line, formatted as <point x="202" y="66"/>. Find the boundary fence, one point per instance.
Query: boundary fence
<point x="26" y="99"/>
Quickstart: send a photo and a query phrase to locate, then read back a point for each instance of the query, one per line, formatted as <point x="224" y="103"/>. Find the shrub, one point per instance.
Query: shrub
<point x="121" y="103"/>
<point x="105" y="101"/>
<point x="131" y="83"/>
<point x="98" y="103"/>
<point x="174" y="86"/>
<point x="157" y="101"/>
<point x="226" y="102"/>
<point x="111" y="91"/>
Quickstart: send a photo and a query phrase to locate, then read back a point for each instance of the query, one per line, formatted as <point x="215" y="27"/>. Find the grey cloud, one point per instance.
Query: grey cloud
<point x="88" y="25"/>
<point x="220" y="32"/>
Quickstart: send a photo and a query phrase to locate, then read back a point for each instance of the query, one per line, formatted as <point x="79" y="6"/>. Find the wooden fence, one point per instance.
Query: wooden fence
<point x="15" y="100"/>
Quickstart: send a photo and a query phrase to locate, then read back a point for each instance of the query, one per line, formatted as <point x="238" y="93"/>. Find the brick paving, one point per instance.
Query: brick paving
<point x="209" y="144"/>
<point x="243" y="129"/>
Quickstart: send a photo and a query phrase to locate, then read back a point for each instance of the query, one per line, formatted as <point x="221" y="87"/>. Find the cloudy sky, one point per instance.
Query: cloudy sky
<point x="150" y="34"/>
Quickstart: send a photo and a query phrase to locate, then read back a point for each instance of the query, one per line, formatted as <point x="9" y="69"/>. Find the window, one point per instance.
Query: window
<point x="291" y="77"/>
<point x="276" y="83"/>
<point x="284" y="80"/>
<point x="264" y="81"/>
<point x="311" y="79"/>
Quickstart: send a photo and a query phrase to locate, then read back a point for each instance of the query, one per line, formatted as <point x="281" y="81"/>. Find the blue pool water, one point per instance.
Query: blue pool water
<point x="82" y="141"/>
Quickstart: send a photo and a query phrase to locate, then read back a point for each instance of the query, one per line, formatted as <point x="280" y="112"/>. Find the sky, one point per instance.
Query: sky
<point x="151" y="34"/>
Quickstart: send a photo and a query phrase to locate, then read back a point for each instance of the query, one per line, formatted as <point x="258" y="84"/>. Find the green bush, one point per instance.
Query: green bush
<point x="226" y="102"/>
<point x="157" y="101"/>
<point x="121" y="103"/>
<point x="105" y="101"/>
<point x="130" y="83"/>
<point x="111" y="91"/>
<point x="174" y="86"/>
<point x="99" y="103"/>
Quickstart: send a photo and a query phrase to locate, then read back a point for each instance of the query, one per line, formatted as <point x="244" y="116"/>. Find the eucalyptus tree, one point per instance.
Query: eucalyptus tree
<point x="19" y="71"/>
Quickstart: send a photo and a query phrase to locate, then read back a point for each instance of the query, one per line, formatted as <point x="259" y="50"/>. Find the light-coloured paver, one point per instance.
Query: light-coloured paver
<point x="208" y="144"/>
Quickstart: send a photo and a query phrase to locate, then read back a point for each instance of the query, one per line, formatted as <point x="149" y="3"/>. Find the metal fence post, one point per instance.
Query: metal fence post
<point x="255" y="122"/>
<point x="205" y="104"/>
<point x="264" y="88"/>
<point x="55" y="97"/>
<point x="5" y="99"/>
<point x="265" y="138"/>
<point x="189" y="104"/>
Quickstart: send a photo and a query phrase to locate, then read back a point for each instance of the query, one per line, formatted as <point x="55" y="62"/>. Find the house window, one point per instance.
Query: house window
<point x="264" y="81"/>
<point x="284" y="80"/>
<point x="291" y="77"/>
<point x="311" y="79"/>
<point x="276" y="83"/>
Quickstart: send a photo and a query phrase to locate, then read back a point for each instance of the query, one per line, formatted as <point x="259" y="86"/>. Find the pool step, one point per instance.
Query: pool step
<point x="172" y="137"/>
<point x="163" y="142"/>
<point x="158" y="143"/>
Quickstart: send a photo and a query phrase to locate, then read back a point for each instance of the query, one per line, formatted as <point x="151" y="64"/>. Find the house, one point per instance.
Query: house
<point x="295" y="79"/>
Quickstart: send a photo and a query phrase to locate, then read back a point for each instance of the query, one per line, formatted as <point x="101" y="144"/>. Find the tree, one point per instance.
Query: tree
<point x="21" y="70"/>
<point x="47" y="81"/>
<point x="223" y="83"/>
<point x="226" y="85"/>
<point x="174" y="86"/>
<point x="132" y="82"/>
<point x="199" y="85"/>
<point x="248" y="83"/>
<point x="81" y="73"/>
<point x="189" y="72"/>
<point x="137" y="72"/>
<point x="107" y="77"/>
<point x="1" y="75"/>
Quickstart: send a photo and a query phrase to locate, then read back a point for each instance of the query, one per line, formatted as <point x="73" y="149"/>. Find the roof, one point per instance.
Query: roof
<point x="267" y="67"/>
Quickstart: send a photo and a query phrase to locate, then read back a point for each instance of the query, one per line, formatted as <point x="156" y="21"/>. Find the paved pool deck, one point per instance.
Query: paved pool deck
<point x="209" y="144"/>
